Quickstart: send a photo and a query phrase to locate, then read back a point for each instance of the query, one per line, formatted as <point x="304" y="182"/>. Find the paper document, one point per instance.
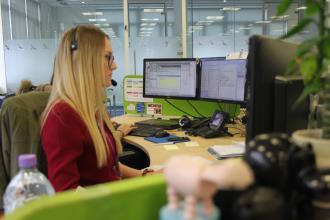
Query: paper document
<point x="171" y="147"/>
<point x="224" y="151"/>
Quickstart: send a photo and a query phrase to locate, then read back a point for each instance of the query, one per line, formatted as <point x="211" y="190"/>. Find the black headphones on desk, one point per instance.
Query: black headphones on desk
<point x="184" y="122"/>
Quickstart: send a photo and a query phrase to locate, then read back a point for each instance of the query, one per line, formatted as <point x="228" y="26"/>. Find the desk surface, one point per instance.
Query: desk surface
<point x="157" y="152"/>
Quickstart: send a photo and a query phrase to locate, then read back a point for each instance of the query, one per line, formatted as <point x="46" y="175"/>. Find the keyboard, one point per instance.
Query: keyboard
<point x="145" y="131"/>
<point x="160" y="123"/>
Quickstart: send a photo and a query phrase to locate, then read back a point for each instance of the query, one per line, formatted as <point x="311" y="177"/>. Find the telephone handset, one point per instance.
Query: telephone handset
<point x="215" y="126"/>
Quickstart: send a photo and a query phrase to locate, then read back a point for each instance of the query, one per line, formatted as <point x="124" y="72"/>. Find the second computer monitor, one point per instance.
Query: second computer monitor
<point x="223" y="80"/>
<point x="170" y="78"/>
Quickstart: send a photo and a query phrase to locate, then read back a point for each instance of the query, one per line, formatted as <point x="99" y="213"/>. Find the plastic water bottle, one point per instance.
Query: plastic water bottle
<point x="29" y="184"/>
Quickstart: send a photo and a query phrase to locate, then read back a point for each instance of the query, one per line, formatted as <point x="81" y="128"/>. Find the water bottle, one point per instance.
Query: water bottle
<point x="29" y="184"/>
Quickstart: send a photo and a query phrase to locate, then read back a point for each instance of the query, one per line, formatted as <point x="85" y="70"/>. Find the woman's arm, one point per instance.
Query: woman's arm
<point x="127" y="172"/>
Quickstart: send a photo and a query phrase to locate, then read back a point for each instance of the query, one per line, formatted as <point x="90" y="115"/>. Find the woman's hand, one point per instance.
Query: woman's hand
<point x="125" y="129"/>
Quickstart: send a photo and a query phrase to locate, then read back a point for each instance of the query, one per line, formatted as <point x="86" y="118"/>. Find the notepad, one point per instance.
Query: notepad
<point x="226" y="151"/>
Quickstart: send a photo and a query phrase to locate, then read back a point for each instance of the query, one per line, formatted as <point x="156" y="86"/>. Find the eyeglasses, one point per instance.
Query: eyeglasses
<point x="110" y="59"/>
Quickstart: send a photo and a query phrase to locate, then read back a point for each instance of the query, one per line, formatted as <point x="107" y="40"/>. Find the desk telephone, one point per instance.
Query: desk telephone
<point x="210" y="127"/>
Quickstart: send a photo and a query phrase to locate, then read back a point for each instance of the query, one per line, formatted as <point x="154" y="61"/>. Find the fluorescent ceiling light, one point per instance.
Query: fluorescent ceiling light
<point x="153" y="10"/>
<point x="92" y="13"/>
<point x="230" y="9"/>
<point x="148" y="24"/>
<point x="301" y="8"/>
<point x="146" y="29"/>
<point x="97" y="19"/>
<point x="263" y="22"/>
<point x="279" y="17"/>
<point x="149" y="19"/>
<point x="214" y="17"/>
<point x="245" y="28"/>
<point x="145" y="32"/>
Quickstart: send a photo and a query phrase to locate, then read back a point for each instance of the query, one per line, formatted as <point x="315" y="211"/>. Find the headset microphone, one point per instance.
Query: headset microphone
<point x="113" y="82"/>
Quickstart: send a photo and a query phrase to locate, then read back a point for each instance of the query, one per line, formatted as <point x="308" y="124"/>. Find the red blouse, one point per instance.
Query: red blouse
<point x="70" y="152"/>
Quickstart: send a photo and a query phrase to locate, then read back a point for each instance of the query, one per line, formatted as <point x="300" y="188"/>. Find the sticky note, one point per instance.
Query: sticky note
<point x="171" y="147"/>
<point x="131" y="107"/>
<point x="192" y="144"/>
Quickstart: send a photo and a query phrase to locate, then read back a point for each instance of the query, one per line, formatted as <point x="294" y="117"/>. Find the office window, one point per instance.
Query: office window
<point x="155" y="30"/>
<point x="220" y="27"/>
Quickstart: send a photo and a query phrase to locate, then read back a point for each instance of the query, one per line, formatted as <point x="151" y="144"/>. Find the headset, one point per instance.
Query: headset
<point x="185" y="122"/>
<point x="74" y="42"/>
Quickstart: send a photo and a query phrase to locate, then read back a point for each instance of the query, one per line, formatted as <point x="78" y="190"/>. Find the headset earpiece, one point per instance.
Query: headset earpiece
<point x="184" y="122"/>
<point x="74" y="43"/>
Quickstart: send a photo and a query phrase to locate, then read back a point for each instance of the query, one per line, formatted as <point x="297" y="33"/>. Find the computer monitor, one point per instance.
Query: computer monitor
<point x="223" y="80"/>
<point x="267" y="58"/>
<point x="170" y="78"/>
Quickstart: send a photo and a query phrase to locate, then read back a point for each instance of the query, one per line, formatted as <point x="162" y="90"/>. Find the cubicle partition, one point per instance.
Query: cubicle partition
<point x="138" y="199"/>
<point x="135" y="104"/>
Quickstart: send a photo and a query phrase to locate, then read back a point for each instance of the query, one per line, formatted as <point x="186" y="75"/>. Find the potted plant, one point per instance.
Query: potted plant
<point x="312" y="62"/>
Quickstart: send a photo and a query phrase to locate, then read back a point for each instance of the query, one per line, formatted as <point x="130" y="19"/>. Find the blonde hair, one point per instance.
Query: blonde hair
<point x="25" y="86"/>
<point x="79" y="81"/>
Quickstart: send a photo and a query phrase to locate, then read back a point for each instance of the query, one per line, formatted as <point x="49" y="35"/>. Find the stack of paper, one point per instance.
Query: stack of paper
<point x="225" y="151"/>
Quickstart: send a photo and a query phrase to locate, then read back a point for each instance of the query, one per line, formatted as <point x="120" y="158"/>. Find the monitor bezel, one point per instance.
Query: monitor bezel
<point x="242" y="103"/>
<point x="170" y="59"/>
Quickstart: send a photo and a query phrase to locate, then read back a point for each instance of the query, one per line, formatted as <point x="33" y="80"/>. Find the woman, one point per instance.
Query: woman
<point x="79" y="140"/>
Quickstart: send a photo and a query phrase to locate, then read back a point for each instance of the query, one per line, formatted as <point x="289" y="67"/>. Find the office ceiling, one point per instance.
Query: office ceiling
<point x="119" y="3"/>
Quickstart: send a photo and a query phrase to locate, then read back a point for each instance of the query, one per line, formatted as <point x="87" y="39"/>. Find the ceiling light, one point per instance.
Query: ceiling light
<point x="245" y="28"/>
<point x="83" y="2"/>
<point x="146" y="29"/>
<point x="301" y="8"/>
<point x="214" y="17"/>
<point x="153" y="10"/>
<point x="279" y="17"/>
<point x="148" y="24"/>
<point x="230" y="9"/>
<point x="92" y="13"/>
<point x="97" y="19"/>
<point x="149" y="19"/>
<point x="263" y="22"/>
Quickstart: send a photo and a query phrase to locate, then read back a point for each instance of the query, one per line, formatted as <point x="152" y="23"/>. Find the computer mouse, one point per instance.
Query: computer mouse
<point x="160" y="134"/>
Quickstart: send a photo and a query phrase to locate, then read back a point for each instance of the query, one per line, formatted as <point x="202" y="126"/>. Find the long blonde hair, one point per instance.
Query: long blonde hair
<point x="79" y="81"/>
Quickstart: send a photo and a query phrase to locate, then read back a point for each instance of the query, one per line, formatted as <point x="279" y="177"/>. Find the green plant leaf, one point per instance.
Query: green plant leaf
<point x="309" y="89"/>
<point x="308" y="68"/>
<point x="283" y="6"/>
<point x="291" y="68"/>
<point x="326" y="47"/>
<point x="299" y="27"/>
<point x="312" y="7"/>
<point x="306" y="46"/>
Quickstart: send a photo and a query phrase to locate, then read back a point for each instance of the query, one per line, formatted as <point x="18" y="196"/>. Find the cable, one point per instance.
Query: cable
<point x="220" y="107"/>
<point x="195" y="109"/>
<point x="180" y="109"/>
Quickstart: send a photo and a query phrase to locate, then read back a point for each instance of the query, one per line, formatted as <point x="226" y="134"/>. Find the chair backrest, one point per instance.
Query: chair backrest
<point x="134" y="199"/>
<point x="20" y="133"/>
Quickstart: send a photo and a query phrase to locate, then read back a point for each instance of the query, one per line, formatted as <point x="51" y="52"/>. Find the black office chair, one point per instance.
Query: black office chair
<point x="134" y="157"/>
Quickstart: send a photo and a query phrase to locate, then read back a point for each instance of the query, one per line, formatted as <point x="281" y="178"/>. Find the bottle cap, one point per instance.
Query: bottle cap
<point x="27" y="161"/>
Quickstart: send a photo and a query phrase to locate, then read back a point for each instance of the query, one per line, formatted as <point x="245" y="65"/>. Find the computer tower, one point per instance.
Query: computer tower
<point x="288" y="118"/>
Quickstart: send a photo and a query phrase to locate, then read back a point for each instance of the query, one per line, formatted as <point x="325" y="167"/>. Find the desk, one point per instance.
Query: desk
<point x="159" y="155"/>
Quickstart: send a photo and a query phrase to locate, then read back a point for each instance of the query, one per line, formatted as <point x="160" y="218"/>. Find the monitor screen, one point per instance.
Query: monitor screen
<point x="170" y="78"/>
<point x="223" y="80"/>
<point x="267" y="58"/>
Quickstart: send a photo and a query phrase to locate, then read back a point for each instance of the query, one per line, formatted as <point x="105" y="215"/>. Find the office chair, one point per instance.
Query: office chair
<point x="20" y="133"/>
<point x="134" y="157"/>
